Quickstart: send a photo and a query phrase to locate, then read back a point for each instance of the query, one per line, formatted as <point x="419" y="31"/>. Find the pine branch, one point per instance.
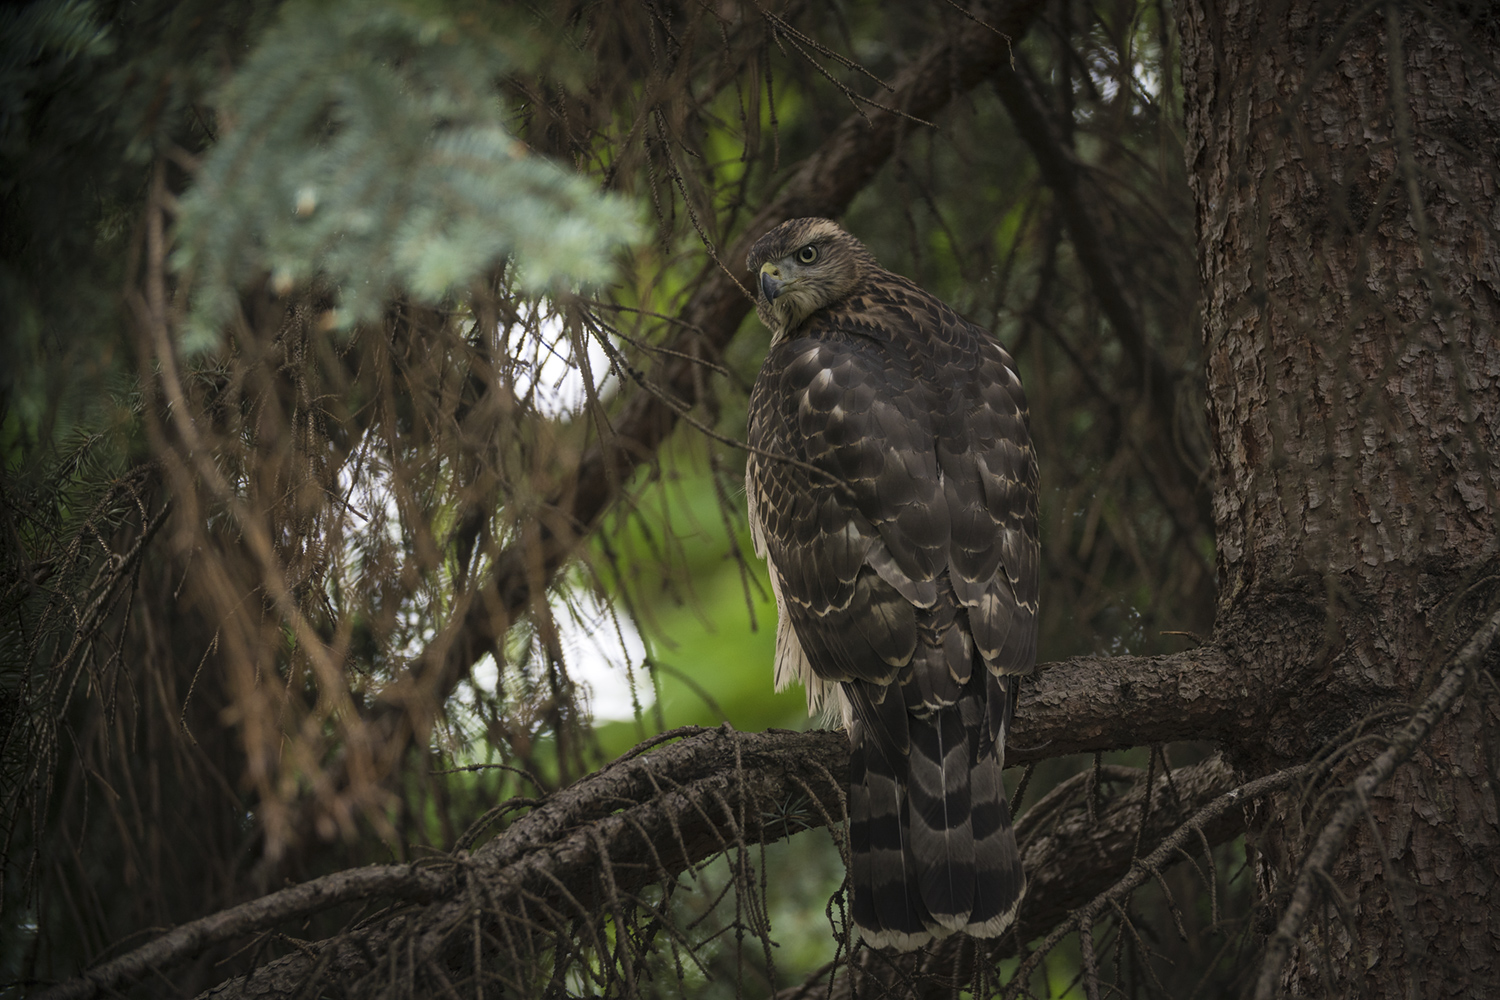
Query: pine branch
<point x="823" y="184"/>
<point x="396" y="881"/>
<point x="640" y="821"/>
<point x="648" y="818"/>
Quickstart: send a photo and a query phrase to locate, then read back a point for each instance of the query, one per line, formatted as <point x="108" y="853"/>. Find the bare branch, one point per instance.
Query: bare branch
<point x="399" y="881"/>
<point x="1053" y="843"/>
<point x="1176" y="476"/>
<point x="1163" y="856"/>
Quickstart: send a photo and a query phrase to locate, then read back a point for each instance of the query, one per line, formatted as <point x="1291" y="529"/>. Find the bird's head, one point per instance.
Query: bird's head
<point x="802" y="266"/>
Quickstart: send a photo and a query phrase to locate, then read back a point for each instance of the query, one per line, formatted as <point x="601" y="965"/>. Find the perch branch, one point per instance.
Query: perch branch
<point x="657" y="814"/>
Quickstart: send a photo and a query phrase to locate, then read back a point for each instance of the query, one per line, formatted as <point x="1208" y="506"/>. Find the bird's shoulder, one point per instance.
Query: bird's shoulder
<point x="891" y="339"/>
<point x="924" y="338"/>
<point x="887" y="307"/>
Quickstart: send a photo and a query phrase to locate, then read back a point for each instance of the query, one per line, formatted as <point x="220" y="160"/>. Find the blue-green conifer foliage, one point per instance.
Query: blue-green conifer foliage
<point x="366" y="146"/>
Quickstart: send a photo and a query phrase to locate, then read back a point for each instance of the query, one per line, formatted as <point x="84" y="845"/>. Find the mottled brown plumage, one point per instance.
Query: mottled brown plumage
<point x="902" y="544"/>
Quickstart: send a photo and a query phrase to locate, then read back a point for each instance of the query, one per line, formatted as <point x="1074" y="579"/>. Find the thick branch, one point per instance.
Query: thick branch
<point x="657" y="814"/>
<point x="1110" y="703"/>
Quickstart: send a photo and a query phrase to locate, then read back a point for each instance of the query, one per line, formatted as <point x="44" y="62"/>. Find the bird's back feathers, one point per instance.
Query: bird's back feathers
<point x="893" y="491"/>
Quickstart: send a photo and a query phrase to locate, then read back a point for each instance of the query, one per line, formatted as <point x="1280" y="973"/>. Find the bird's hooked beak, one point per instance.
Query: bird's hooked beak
<point x="770" y="281"/>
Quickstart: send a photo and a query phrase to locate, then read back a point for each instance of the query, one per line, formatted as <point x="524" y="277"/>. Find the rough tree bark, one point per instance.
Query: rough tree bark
<point x="1343" y="159"/>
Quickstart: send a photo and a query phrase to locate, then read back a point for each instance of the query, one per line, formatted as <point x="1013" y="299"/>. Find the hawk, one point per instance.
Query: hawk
<point x="892" y="490"/>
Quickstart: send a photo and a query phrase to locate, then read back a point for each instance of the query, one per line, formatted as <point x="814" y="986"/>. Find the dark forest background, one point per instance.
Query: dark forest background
<point x="374" y="386"/>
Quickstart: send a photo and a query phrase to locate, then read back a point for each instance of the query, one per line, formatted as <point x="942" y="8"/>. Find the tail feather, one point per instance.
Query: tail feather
<point x="942" y="834"/>
<point x="999" y="880"/>
<point x="931" y="842"/>
<point x="887" y="904"/>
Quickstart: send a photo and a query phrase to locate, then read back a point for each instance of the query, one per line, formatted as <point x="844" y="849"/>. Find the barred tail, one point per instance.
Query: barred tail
<point x="931" y="843"/>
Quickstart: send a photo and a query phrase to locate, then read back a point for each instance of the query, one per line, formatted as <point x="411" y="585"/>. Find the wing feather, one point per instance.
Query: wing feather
<point x="904" y="557"/>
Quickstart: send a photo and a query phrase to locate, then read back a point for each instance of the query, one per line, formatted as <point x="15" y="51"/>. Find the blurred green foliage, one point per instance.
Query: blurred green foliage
<point x="708" y="622"/>
<point x="367" y="146"/>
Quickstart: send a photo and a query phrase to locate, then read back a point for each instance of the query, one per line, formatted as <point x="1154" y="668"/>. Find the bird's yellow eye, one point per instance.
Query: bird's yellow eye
<point x="807" y="254"/>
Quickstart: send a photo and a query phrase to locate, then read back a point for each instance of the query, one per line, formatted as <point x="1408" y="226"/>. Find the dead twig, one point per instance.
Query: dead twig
<point x="1147" y="868"/>
<point x="406" y="882"/>
<point x="1455" y="680"/>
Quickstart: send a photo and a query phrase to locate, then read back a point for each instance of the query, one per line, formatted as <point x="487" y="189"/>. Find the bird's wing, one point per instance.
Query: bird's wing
<point x="847" y="506"/>
<point x="990" y="484"/>
<point x="847" y="501"/>
<point x="893" y="492"/>
<point x="990" y="476"/>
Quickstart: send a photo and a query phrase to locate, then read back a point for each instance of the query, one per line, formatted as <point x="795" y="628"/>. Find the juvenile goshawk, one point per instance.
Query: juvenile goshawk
<point x="893" y="490"/>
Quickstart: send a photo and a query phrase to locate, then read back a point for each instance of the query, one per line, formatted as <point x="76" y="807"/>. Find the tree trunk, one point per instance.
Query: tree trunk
<point x="1343" y="159"/>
